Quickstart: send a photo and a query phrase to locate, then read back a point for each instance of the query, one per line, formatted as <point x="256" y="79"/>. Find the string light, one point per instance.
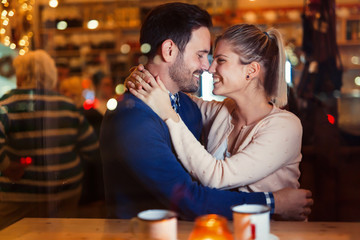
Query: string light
<point x="10" y="11"/>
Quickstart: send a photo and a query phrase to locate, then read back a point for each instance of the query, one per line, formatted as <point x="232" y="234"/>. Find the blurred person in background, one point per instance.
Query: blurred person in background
<point x="93" y="184"/>
<point x="72" y="88"/>
<point x="63" y="70"/>
<point x="104" y="90"/>
<point x="43" y="137"/>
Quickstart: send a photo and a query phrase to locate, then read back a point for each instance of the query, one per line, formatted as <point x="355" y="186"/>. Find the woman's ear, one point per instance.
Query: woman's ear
<point x="253" y="70"/>
<point x="169" y="50"/>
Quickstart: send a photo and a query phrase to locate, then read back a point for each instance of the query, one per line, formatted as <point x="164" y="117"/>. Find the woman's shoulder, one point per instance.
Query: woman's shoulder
<point x="283" y="117"/>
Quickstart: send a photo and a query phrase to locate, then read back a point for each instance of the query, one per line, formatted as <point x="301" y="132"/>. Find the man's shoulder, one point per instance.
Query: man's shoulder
<point x="130" y="105"/>
<point x="184" y="96"/>
<point x="130" y="110"/>
<point x="186" y="101"/>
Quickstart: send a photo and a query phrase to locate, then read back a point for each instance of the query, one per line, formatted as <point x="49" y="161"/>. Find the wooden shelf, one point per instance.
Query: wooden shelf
<point x="86" y="30"/>
<point x="349" y="43"/>
<point x="77" y="53"/>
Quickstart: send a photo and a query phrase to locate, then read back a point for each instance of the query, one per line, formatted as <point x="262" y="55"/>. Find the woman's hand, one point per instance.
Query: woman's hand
<point x="130" y="81"/>
<point x="152" y="92"/>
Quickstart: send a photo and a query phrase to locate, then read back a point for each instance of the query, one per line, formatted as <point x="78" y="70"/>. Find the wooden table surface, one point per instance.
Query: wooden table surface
<point x="117" y="229"/>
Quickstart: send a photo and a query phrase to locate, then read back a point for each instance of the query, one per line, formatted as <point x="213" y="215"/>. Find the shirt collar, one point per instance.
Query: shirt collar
<point x="175" y="101"/>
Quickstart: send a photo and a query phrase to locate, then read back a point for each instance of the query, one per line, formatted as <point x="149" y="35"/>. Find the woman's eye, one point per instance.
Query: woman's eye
<point x="220" y="60"/>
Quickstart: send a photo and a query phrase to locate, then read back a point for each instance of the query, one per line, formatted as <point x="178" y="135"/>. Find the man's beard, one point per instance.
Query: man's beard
<point x="182" y="75"/>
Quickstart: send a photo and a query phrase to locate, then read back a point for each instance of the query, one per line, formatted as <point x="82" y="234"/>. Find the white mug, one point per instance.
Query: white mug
<point x="251" y="221"/>
<point x="155" y="224"/>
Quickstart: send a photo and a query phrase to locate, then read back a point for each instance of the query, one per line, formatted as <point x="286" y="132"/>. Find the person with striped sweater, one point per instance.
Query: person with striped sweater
<point x="43" y="139"/>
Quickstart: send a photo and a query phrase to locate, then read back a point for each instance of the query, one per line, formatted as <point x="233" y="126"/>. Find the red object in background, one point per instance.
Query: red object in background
<point x="26" y="160"/>
<point x="331" y="118"/>
<point x="89" y="103"/>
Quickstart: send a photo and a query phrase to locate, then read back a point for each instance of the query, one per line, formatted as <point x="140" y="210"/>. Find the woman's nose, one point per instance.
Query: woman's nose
<point x="212" y="68"/>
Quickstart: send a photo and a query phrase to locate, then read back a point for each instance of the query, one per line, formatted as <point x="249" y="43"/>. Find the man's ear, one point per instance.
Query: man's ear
<point x="169" y="50"/>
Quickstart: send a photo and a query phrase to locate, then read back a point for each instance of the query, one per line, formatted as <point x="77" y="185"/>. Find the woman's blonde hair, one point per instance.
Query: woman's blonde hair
<point x="266" y="48"/>
<point x="36" y="69"/>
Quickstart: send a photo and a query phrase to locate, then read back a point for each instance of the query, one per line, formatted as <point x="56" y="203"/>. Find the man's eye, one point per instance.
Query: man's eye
<point x="200" y="56"/>
<point x="220" y="60"/>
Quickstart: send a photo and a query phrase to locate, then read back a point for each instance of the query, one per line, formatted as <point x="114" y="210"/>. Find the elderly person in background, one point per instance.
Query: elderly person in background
<point x="42" y="138"/>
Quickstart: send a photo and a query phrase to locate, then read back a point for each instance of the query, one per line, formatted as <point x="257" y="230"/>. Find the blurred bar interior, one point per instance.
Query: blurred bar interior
<point x="88" y="37"/>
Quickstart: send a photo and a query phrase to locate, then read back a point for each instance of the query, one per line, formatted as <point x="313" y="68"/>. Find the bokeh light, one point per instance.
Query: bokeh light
<point x="92" y="24"/>
<point x="157" y="59"/>
<point x="120" y="89"/>
<point x="331" y="118"/>
<point x="62" y="25"/>
<point x="143" y="60"/>
<point x="145" y="48"/>
<point x="357" y="80"/>
<point x="53" y="3"/>
<point x="111" y="104"/>
<point x="125" y="48"/>
<point x="355" y="60"/>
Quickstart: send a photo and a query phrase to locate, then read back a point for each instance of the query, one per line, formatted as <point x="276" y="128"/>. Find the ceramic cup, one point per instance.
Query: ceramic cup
<point x="251" y="221"/>
<point x="155" y="224"/>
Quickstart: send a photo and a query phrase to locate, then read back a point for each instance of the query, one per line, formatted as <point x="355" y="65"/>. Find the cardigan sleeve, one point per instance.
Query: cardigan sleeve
<point x="275" y="142"/>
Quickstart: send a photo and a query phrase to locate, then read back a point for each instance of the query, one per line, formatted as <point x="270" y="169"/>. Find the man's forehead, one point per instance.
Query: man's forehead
<point x="200" y="40"/>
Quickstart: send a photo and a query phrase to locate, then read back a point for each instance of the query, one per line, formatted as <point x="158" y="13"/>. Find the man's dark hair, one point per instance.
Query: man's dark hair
<point x="174" y="21"/>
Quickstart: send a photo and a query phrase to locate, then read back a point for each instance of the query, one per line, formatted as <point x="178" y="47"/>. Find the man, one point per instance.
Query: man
<point x="140" y="168"/>
<point x="42" y="137"/>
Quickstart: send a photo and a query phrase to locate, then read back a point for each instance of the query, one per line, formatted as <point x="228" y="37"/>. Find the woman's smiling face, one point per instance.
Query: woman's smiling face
<point x="228" y="73"/>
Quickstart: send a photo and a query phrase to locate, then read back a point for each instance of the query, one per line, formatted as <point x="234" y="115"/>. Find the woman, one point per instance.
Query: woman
<point x="251" y="143"/>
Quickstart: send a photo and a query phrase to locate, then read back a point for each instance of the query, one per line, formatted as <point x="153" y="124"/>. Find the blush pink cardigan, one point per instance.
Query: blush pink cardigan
<point x="266" y="156"/>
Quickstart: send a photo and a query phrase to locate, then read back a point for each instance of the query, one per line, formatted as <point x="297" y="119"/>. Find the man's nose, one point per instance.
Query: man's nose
<point x="205" y="64"/>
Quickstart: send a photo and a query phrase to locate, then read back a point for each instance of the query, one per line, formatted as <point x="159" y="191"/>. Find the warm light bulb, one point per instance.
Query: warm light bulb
<point x="53" y="3"/>
<point x="62" y="25"/>
<point x="24" y="6"/>
<point x="93" y="24"/>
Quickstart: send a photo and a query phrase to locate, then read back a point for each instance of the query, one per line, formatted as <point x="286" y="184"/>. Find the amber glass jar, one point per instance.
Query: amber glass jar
<point x="211" y="226"/>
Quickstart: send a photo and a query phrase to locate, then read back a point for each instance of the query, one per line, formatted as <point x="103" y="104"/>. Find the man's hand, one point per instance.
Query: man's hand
<point x="292" y="204"/>
<point x="14" y="171"/>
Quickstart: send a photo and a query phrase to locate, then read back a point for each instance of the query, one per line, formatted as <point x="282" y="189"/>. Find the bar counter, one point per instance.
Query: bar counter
<point x="118" y="229"/>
